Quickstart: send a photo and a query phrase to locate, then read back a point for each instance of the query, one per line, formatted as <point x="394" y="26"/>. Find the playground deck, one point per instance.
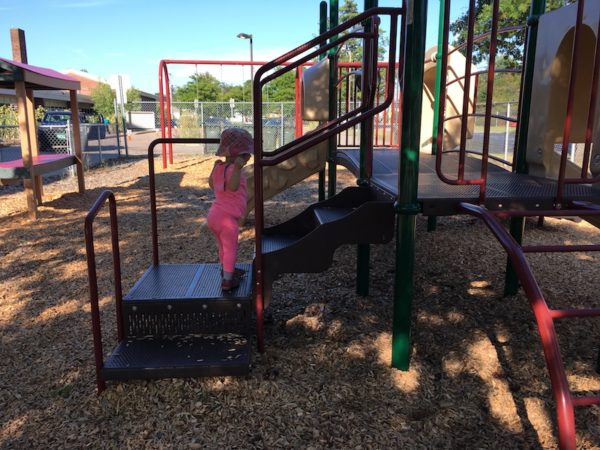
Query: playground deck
<point x="40" y="165"/>
<point x="505" y="190"/>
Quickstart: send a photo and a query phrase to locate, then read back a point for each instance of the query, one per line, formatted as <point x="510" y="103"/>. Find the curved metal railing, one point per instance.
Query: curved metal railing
<point x="93" y="278"/>
<point x="545" y="316"/>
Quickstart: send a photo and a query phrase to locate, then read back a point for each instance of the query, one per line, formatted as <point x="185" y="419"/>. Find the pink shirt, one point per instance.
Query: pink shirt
<point x="229" y="202"/>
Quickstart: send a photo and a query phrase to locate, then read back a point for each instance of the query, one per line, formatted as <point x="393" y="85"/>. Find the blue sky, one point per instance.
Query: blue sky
<point x="108" y="37"/>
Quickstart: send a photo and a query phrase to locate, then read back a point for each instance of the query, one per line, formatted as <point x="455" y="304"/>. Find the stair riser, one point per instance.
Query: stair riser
<point x="241" y="369"/>
<point x="164" y="318"/>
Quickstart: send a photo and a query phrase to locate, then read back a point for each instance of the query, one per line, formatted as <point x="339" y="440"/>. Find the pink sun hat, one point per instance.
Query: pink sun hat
<point x="235" y="142"/>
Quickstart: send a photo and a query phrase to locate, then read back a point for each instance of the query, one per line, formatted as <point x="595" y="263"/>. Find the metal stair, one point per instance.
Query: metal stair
<point x="175" y="322"/>
<point x="306" y="243"/>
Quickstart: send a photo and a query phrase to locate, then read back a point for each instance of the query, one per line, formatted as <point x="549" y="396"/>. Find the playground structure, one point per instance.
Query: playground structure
<point x="393" y="187"/>
<point x="24" y="78"/>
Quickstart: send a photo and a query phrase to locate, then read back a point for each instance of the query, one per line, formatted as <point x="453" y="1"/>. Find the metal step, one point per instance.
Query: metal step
<point x="274" y="243"/>
<point x="327" y="214"/>
<point x="178" y="356"/>
<point x="181" y="299"/>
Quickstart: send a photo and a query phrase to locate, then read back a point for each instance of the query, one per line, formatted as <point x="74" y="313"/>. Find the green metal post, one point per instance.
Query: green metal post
<point x="517" y="224"/>
<point x="432" y="220"/>
<point x="333" y="22"/>
<point x="407" y="206"/>
<point x="322" y="29"/>
<point x="366" y="147"/>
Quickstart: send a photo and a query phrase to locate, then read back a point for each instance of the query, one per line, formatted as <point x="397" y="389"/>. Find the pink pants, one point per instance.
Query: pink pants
<point x="226" y="228"/>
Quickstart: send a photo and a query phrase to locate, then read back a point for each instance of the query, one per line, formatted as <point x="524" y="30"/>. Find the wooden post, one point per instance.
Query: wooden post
<point x="77" y="140"/>
<point x="19" y="49"/>
<point x="26" y="145"/>
<point x="27" y="107"/>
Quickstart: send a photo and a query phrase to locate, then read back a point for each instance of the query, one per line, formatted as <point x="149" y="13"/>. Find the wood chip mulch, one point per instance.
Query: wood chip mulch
<point x="477" y="377"/>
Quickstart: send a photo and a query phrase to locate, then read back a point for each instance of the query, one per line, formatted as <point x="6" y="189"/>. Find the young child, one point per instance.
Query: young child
<point x="229" y="186"/>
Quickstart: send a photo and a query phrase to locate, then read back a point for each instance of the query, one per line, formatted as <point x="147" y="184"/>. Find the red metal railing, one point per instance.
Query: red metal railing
<point x="584" y="177"/>
<point x="544" y="316"/>
<point x="93" y="279"/>
<point x="328" y="129"/>
<point x="386" y="127"/>
<point x="460" y="179"/>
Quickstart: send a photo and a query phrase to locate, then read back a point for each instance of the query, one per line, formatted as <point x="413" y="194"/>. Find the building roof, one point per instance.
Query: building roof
<point x="34" y="77"/>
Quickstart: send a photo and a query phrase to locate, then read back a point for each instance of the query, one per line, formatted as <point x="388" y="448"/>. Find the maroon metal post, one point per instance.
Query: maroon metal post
<point x="488" y="101"/>
<point x="591" y="119"/>
<point x="570" y="105"/>
<point x="93" y="279"/>
<point x="467" y="89"/>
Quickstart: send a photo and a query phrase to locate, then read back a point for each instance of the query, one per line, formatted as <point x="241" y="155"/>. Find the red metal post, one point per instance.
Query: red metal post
<point x="570" y="105"/>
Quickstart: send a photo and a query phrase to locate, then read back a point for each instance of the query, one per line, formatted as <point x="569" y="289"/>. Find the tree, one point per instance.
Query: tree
<point x="203" y="87"/>
<point x="511" y="12"/>
<point x="352" y="50"/>
<point x="282" y="89"/>
<point x="134" y="97"/>
<point x="104" y="99"/>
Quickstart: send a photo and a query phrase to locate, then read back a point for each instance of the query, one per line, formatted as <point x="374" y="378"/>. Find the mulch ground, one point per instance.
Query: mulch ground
<point x="477" y="378"/>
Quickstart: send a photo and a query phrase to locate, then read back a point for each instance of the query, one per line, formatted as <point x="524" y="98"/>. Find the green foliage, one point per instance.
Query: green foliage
<point x="511" y="12"/>
<point x="506" y="85"/>
<point x="39" y="113"/>
<point x="134" y="98"/>
<point x="352" y="50"/>
<point x="281" y="89"/>
<point x="103" y="97"/>
<point x="189" y="126"/>
<point x="203" y="87"/>
<point x="8" y="118"/>
<point x="206" y="88"/>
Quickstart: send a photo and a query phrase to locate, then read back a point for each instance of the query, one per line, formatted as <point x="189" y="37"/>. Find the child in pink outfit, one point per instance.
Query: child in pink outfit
<point x="229" y="186"/>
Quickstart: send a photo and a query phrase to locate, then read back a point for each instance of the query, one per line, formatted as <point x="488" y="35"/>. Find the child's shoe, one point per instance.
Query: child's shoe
<point x="229" y="285"/>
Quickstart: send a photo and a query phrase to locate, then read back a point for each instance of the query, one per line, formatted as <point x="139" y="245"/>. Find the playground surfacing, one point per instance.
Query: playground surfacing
<point x="477" y="377"/>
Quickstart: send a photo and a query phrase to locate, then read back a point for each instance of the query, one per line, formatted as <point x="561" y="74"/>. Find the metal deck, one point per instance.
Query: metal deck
<point x="40" y="165"/>
<point x="178" y="356"/>
<point x="505" y="190"/>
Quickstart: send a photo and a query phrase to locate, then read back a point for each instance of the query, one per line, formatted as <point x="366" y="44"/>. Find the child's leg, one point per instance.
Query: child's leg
<point x="229" y="239"/>
<point x="214" y="220"/>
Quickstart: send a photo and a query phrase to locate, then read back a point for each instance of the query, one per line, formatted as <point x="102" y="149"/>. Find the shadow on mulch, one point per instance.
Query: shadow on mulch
<point x="477" y="377"/>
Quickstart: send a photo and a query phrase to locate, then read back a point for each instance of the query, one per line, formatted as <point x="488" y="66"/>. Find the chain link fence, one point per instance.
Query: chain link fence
<point x="209" y="119"/>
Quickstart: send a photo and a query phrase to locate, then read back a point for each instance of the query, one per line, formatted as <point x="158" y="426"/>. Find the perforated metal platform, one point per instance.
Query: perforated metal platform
<point x="179" y="299"/>
<point x="178" y="356"/>
<point x="505" y="190"/>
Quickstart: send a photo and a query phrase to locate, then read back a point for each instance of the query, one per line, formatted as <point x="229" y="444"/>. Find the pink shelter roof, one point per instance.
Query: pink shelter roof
<point x="35" y="77"/>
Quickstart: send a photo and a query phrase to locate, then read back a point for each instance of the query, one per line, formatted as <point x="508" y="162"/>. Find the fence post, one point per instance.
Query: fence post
<point x="281" y="123"/>
<point x="506" y="133"/>
<point x="117" y="127"/>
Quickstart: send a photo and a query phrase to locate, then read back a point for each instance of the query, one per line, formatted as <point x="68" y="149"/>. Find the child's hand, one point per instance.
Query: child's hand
<point x="241" y="161"/>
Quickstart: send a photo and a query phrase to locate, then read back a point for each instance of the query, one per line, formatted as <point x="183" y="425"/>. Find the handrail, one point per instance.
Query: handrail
<point x="152" y="182"/>
<point x="327" y="130"/>
<point x="93" y="279"/>
<point x="544" y="316"/>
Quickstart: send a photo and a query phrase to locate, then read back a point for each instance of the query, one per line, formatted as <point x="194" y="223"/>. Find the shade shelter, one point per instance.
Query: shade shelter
<point x="24" y="78"/>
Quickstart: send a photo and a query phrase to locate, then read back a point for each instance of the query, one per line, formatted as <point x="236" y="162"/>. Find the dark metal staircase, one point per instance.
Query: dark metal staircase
<point x="306" y="243"/>
<point x="175" y="322"/>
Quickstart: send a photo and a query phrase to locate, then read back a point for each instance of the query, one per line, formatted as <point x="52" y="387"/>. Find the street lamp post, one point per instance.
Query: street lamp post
<point x="249" y="36"/>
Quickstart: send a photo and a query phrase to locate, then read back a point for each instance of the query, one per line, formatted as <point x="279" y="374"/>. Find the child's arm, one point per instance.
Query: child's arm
<point x="234" y="180"/>
<point x="210" y="178"/>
